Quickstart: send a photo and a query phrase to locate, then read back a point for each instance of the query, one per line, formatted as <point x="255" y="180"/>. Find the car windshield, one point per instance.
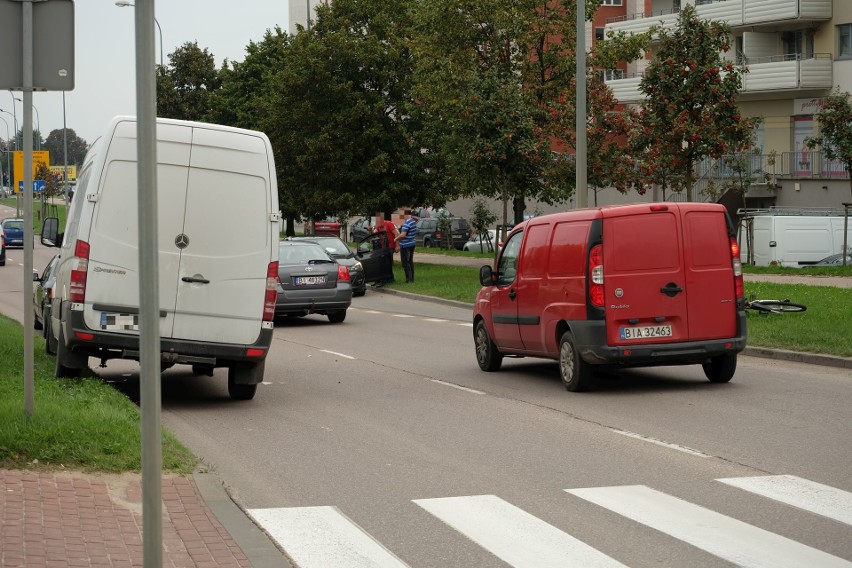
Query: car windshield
<point x="302" y="254"/>
<point x="334" y="246"/>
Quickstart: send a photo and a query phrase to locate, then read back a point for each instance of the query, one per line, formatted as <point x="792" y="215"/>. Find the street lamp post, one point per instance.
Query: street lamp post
<point x="38" y="126"/>
<point x="125" y="3"/>
<point x="5" y="154"/>
<point x="15" y="116"/>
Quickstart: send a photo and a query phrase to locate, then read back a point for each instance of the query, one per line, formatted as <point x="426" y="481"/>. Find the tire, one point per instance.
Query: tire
<point x="720" y="369"/>
<point x="68" y="364"/>
<point x="198" y="369"/>
<point x="575" y="373"/>
<point x="336" y="316"/>
<point x="243" y="379"/>
<point x="487" y="355"/>
<point x="427" y="243"/>
<point x="779" y="306"/>
<point x="49" y="341"/>
<point x="359" y="293"/>
<point x="37" y="324"/>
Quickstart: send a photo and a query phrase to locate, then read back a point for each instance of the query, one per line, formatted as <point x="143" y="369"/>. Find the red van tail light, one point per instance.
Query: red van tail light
<point x="271" y="292"/>
<point x="596" y="276"/>
<point x="738" y="268"/>
<point x="343" y="274"/>
<point x="77" y="287"/>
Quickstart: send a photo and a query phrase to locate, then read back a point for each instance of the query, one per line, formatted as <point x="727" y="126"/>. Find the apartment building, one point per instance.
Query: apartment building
<point x="796" y="52"/>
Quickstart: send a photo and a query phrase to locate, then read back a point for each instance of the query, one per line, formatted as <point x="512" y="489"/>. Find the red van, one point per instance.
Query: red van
<point x="630" y="285"/>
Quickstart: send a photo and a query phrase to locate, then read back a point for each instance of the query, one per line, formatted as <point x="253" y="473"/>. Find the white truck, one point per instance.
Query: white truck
<point x="791" y="237"/>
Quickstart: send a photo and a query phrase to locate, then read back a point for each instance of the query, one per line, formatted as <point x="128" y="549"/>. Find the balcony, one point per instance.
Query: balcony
<point x="779" y="73"/>
<point x="735" y="13"/>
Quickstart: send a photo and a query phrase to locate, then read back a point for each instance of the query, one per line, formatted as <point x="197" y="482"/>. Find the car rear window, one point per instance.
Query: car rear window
<point x="298" y="254"/>
<point x="14" y="225"/>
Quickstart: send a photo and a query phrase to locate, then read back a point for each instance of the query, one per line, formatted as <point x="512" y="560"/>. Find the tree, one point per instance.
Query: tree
<point x="690" y="109"/>
<point x="55" y="144"/>
<point x="835" y="123"/>
<point x="184" y="86"/>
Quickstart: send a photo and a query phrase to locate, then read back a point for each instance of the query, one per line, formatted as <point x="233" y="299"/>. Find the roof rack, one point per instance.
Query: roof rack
<point x="792" y="211"/>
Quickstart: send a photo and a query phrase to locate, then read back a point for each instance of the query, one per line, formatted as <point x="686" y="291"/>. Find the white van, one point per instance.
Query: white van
<point x="218" y="233"/>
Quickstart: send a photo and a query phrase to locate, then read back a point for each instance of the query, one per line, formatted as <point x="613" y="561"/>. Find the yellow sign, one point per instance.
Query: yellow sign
<point x="39" y="157"/>
<point x="72" y="172"/>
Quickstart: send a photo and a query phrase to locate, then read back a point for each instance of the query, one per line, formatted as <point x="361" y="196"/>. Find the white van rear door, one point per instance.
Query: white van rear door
<point x="227" y="239"/>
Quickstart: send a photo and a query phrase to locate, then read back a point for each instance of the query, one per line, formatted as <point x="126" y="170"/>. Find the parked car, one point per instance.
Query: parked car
<point x="360" y="229"/>
<point x="5" y="191"/>
<point x="834" y="260"/>
<point x="2" y="248"/>
<point x="14" y="232"/>
<point x="42" y="300"/>
<point x="429" y="233"/>
<point x="310" y="281"/>
<point x="619" y="286"/>
<point x="340" y="251"/>
<point x="325" y="226"/>
<point x="477" y="244"/>
<point x="376" y="257"/>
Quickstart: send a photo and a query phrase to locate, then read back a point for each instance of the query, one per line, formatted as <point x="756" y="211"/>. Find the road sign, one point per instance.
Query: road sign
<point x="38" y="186"/>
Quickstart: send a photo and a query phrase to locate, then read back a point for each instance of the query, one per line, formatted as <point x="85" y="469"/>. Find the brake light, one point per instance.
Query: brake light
<point x="271" y="292"/>
<point x="343" y="274"/>
<point x="437" y="234"/>
<point x="596" y="276"/>
<point x="738" y="268"/>
<point x="77" y="287"/>
<point x="255" y="353"/>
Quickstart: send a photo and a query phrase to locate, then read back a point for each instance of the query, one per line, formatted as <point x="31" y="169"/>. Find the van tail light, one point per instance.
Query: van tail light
<point x="437" y="234"/>
<point x="343" y="274"/>
<point x="738" y="268"/>
<point x="596" y="276"/>
<point x="271" y="292"/>
<point x="79" y="272"/>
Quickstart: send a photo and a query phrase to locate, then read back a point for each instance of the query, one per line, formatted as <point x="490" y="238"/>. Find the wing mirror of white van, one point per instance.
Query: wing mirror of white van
<point x="50" y="232"/>
<point x="486" y="276"/>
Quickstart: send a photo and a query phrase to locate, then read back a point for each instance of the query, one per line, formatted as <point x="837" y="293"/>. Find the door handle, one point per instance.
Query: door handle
<point x="195" y="280"/>
<point x="512" y="294"/>
<point x="671" y="289"/>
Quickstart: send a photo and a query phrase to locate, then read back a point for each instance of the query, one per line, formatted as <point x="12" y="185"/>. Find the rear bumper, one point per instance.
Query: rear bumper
<point x="591" y="342"/>
<point x="313" y="301"/>
<point x="108" y="345"/>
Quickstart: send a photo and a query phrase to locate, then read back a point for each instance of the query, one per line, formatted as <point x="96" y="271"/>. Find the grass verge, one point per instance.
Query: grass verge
<point x="58" y="210"/>
<point x="82" y="424"/>
<point x="823" y="328"/>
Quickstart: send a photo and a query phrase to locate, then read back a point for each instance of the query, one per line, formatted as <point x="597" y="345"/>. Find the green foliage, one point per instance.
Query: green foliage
<point x="184" y="86"/>
<point x="55" y="144"/>
<point x="835" y="123"/>
<point x="690" y="109"/>
<point x="80" y="423"/>
<point x="481" y="218"/>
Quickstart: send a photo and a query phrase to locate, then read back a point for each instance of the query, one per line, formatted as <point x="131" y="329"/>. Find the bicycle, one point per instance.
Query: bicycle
<point x="774" y="306"/>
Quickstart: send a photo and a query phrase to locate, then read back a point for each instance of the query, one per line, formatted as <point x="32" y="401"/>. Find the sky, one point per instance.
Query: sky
<point x="105" y="75"/>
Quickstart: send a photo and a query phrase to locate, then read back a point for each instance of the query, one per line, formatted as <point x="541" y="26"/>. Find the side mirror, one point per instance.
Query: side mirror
<point x="36" y="277"/>
<point x="50" y="232"/>
<point x="486" y="276"/>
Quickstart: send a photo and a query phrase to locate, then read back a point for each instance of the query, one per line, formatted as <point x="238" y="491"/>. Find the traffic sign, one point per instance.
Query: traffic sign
<point x="38" y="186"/>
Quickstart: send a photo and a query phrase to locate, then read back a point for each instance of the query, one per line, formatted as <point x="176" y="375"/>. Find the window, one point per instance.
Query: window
<point x="611" y="74"/>
<point x="599" y="34"/>
<point x="844" y="41"/>
<point x="611" y="2"/>
<point x="509" y="260"/>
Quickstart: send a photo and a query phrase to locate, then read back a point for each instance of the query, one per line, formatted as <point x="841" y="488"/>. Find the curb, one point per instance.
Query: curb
<point x="763" y="352"/>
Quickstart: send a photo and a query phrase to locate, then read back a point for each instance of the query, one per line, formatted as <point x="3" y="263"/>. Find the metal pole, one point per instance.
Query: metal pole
<point x="149" y="305"/>
<point x="581" y="149"/>
<point x="15" y="117"/>
<point x="64" y="151"/>
<point x="846" y="207"/>
<point x="5" y="152"/>
<point x="29" y="339"/>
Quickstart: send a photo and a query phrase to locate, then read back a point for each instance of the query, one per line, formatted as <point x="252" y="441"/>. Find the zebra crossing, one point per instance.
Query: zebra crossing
<point x="324" y="537"/>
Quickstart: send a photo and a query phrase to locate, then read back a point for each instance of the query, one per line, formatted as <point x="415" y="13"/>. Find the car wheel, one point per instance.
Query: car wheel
<point x="68" y="364"/>
<point x="336" y="316"/>
<point x="720" y="369"/>
<point x="49" y="340"/>
<point x="199" y="369"/>
<point x="37" y="322"/>
<point x="243" y="379"/>
<point x="427" y="243"/>
<point x="359" y="293"/>
<point x="576" y="374"/>
<point x="487" y="354"/>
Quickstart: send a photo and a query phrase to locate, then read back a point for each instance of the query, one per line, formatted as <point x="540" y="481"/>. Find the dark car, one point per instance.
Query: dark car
<point x="42" y="299"/>
<point x="834" y="260"/>
<point x="13" y="230"/>
<point x="376" y="257"/>
<point x="340" y="251"/>
<point x="360" y="229"/>
<point x="311" y="282"/>
<point x="430" y="233"/>
<point x="324" y="226"/>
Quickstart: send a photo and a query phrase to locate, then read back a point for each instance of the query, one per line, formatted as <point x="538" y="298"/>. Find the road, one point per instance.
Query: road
<point x="379" y="442"/>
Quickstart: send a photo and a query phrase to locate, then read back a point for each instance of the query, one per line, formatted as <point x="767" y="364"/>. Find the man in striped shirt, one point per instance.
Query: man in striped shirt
<point x="405" y="242"/>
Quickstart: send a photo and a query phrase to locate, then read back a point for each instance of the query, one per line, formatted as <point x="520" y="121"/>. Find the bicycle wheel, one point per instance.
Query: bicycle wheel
<point x="781" y="306"/>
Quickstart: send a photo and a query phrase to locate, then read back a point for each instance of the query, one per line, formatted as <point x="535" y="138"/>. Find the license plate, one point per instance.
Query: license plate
<point x="309" y="280"/>
<point x="645" y="331"/>
<point x="124" y="322"/>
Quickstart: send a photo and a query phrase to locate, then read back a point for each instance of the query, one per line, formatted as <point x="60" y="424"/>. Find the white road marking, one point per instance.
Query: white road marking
<point x="402" y="315"/>
<point x="446" y="384"/>
<point x="802" y="493"/>
<point x="337" y="354"/>
<point x="372" y="312"/>
<point x="669" y="445"/>
<point x="323" y="537"/>
<point x="435" y="320"/>
<point x="513" y="535"/>
<point x="465" y="324"/>
<point x="737" y="542"/>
